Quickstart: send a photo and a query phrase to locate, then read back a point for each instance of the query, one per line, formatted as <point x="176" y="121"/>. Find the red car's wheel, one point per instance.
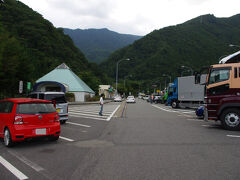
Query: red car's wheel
<point x="7" y="138"/>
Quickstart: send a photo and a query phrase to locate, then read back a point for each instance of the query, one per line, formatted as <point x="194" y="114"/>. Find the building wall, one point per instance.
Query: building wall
<point x="80" y="96"/>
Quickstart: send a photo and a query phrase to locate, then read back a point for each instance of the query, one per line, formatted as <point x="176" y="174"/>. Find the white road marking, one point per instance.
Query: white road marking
<point x="108" y="119"/>
<point x="187" y="112"/>
<point x="101" y="119"/>
<point x="12" y="169"/>
<point x="195" y="120"/>
<point x="235" y="136"/>
<point x="88" y="111"/>
<point x="163" y="109"/>
<point x="77" y="124"/>
<point x="75" y="113"/>
<point x="67" y="139"/>
<point x="205" y="125"/>
<point x="26" y="161"/>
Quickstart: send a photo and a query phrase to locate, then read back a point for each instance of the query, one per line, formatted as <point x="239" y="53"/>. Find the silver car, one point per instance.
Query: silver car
<point x="57" y="98"/>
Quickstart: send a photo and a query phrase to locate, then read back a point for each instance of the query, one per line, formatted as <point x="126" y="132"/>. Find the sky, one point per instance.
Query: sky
<point x="138" y="17"/>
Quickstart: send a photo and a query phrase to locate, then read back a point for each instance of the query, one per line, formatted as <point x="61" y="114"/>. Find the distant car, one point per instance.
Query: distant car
<point x="58" y="98"/>
<point x="146" y="97"/>
<point x="130" y="99"/>
<point x="25" y="118"/>
<point x="117" y="99"/>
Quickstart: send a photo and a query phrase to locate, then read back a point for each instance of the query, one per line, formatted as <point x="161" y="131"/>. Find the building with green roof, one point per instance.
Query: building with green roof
<point x="63" y="79"/>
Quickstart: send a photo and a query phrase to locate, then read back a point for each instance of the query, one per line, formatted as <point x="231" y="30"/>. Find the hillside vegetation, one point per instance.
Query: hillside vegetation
<point x="195" y="43"/>
<point x="98" y="44"/>
<point x="31" y="46"/>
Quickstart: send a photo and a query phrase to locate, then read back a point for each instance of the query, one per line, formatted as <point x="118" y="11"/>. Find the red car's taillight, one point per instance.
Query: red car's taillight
<point x="56" y="118"/>
<point x="18" y="120"/>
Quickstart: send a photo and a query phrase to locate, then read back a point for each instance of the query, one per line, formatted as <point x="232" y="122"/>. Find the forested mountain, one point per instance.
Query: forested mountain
<point x="196" y="43"/>
<point x="98" y="44"/>
<point x="31" y="46"/>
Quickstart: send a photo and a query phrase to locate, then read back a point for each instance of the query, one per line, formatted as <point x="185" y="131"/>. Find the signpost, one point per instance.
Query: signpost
<point x="20" y="87"/>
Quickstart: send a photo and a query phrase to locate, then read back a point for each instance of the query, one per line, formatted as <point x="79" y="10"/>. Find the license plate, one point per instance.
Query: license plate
<point x="41" y="131"/>
<point x="59" y="110"/>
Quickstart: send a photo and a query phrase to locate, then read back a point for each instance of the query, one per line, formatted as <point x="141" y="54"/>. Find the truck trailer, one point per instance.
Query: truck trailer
<point x="185" y="93"/>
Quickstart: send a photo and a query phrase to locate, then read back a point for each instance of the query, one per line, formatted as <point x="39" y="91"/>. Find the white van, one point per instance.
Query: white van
<point x="60" y="100"/>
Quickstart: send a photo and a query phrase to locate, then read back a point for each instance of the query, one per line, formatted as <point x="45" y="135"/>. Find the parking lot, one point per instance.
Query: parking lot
<point x="39" y="156"/>
<point x="150" y="141"/>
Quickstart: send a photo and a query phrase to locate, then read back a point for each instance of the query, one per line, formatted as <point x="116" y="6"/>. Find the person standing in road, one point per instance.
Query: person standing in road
<point x="101" y="104"/>
<point x="151" y="98"/>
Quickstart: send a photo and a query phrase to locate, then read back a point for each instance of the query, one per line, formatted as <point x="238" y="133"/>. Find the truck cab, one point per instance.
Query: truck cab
<point x="222" y="92"/>
<point x="172" y="99"/>
<point x="222" y="100"/>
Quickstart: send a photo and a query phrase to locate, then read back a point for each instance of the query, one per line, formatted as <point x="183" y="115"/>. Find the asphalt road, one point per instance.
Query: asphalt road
<point x="148" y="142"/>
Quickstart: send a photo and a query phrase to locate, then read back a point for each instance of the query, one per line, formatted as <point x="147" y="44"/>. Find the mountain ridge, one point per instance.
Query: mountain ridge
<point x="98" y="44"/>
<point x="194" y="43"/>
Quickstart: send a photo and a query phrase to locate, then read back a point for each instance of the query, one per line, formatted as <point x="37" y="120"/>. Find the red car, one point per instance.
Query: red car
<point x="24" y="118"/>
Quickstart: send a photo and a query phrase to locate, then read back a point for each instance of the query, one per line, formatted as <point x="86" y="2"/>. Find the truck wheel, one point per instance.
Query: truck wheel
<point x="230" y="119"/>
<point x="174" y="104"/>
<point x="7" y="138"/>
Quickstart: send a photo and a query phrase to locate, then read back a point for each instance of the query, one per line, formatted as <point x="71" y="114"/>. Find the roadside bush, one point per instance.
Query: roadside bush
<point x="70" y="97"/>
<point x="95" y="98"/>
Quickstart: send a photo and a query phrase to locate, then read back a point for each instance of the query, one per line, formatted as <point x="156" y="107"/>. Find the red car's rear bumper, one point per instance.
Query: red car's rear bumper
<point x="22" y="132"/>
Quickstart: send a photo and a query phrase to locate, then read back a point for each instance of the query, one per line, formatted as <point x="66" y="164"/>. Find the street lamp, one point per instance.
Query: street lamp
<point x="165" y="75"/>
<point x="117" y="71"/>
<point x="234" y="45"/>
<point x="188" y="68"/>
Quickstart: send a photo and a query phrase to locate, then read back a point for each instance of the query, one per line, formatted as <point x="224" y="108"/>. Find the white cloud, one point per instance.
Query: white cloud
<point x="129" y="16"/>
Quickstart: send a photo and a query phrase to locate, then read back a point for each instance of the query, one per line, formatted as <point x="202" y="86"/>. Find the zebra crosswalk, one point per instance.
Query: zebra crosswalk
<point x="92" y="111"/>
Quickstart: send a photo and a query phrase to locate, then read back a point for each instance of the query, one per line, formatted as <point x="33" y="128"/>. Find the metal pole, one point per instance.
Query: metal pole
<point x="117" y="73"/>
<point x="117" y="78"/>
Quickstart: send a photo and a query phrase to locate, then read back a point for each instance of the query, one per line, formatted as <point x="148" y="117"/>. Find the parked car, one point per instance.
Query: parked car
<point x="157" y="99"/>
<point x="131" y="99"/>
<point x="25" y="118"/>
<point x="117" y="99"/>
<point x="58" y="98"/>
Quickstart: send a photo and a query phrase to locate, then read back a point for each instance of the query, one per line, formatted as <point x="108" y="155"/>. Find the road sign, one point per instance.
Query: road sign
<point x="20" y="87"/>
<point x="28" y="86"/>
<point x="158" y="91"/>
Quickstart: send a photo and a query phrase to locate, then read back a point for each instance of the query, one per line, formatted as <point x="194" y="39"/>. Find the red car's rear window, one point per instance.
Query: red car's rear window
<point x="6" y="106"/>
<point x="35" y="108"/>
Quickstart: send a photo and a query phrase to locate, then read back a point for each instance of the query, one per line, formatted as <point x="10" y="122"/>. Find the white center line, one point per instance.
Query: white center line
<point x="67" y="139"/>
<point x="12" y="169"/>
<point x="77" y="124"/>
